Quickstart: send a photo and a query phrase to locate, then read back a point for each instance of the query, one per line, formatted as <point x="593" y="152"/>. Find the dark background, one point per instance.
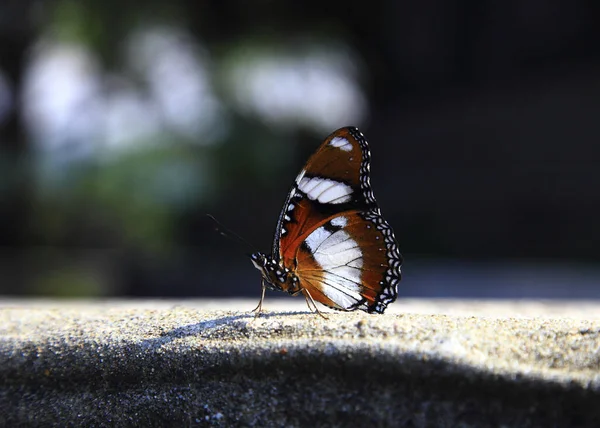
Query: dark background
<point x="122" y="124"/>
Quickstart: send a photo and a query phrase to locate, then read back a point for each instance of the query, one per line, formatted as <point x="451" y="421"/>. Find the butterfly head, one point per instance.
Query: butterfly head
<point x="276" y="276"/>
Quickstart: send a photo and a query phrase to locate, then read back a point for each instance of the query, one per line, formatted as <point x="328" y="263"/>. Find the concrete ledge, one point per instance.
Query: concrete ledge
<point x="426" y="363"/>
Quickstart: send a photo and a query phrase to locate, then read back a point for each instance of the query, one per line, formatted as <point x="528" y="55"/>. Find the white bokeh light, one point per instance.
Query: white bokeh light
<point x="316" y="86"/>
<point x="62" y="98"/>
<point x="74" y="109"/>
<point x="130" y="117"/>
<point x="177" y="72"/>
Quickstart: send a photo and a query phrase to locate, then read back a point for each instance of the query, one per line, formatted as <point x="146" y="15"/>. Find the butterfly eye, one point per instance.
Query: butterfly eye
<point x="259" y="260"/>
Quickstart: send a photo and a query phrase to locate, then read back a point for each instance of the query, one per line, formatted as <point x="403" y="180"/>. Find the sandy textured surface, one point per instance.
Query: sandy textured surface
<point x="444" y="363"/>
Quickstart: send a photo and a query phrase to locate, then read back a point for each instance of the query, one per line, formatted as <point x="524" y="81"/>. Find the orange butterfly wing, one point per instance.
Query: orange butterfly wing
<point x="331" y="232"/>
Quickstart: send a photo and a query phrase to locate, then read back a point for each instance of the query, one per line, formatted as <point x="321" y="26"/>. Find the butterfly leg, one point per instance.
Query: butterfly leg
<point x="258" y="309"/>
<point x="308" y="298"/>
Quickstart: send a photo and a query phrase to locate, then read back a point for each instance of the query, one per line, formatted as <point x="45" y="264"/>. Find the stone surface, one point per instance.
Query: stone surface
<point x="424" y="363"/>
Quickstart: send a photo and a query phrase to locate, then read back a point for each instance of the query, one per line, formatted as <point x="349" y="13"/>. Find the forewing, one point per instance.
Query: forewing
<point x="334" y="180"/>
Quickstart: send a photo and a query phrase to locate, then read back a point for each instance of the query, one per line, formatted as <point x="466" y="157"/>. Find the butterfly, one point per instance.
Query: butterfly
<point x="331" y="242"/>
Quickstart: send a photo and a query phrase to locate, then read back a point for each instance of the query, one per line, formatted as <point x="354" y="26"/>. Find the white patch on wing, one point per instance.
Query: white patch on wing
<point x="344" y="299"/>
<point x="341" y="259"/>
<point x="336" y="194"/>
<point x="322" y="186"/>
<point x="325" y="191"/>
<point x="341" y="143"/>
<point x="316" y="238"/>
<point x="350" y="275"/>
<point x="358" y="263"/>
<point x="338" y="241"/>
<point x="339" y="221"/>
<point x="300" y="176"/>
<point x="308" y="184"/>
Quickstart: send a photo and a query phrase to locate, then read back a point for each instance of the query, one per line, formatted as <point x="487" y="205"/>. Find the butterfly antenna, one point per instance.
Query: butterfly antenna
<point x="230" y="234"/>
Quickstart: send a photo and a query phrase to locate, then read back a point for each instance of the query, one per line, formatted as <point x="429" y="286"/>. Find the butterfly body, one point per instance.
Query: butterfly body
<point x="331" y="242"/>
<point x="277" y="277"/>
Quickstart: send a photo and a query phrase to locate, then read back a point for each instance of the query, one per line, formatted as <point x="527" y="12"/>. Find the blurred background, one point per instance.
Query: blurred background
<point x="122" y="125"/>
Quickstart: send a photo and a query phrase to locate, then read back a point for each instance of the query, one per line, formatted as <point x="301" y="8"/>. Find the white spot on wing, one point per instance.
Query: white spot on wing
<point x="325" y="191"/>
<point x="339" y="221"/>
<point x="322" y="186"/>
<point x="308" y="184"/>
<point x="300" y="176"/>
<point x="341" y="143"/>
<point x="336" y="242"/>
<point x="344" y="299"/>
<point x="341" y="259"/>
<point x="350" y="277"/>
<point x="357" y="263"/>
<point x="336" y="194"/>
<point x="316" y="238"/>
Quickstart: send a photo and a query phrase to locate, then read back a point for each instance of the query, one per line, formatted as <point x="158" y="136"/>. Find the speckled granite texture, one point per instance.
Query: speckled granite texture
<point x="189" y="363"/>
